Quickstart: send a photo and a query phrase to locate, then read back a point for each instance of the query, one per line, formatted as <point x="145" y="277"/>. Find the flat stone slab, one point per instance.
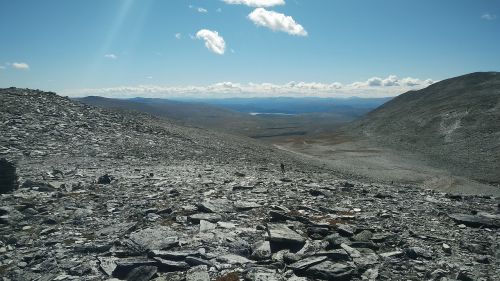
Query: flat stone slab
<point x="211" y="217"/>
<point x="125" y="266"/>
<point x="172" y="265"/>
<point x="306" y="263"/>
<point x="142" y="273"/>
<point x="234" y="259"/>
<point x="198" y="273"/>
<point x="215" y="206"/>
<point x="280" y="233"/>
<point x="481" y="219"/>
<point x="335" y="255"/>
<point x="328" y="270"/>
<point x="244" y="206"/>
<point x="159" y="238"/>
<point x="175" y="255"/>
<point x="206" y="226"/>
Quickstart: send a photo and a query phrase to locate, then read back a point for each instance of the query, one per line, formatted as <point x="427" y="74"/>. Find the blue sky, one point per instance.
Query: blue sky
<point x="327" y="47"/>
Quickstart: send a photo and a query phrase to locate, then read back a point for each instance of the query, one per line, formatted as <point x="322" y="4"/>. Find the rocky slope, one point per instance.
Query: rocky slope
<point x="106" y="194"/>
<point x="455" y="122"/>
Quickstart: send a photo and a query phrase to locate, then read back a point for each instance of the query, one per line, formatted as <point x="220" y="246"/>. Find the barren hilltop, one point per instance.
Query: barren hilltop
<point x="94" y="194"/>
<point x="455" y="122"/>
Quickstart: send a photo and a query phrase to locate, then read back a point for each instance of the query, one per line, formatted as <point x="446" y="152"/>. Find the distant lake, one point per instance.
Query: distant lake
<point x="266" y="113"/>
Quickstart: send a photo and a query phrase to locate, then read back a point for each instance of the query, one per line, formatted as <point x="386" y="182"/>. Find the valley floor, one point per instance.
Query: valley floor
<point x="368" y="160"/>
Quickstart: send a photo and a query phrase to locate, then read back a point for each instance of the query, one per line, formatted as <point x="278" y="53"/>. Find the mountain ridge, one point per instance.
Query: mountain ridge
<point x="455" y="122"/>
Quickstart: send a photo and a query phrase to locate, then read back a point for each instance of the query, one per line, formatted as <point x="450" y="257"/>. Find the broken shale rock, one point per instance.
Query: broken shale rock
<point x="8" y="176"/>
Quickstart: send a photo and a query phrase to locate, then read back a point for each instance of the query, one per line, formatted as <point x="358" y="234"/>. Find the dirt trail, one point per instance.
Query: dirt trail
<point x="381" y="164"/>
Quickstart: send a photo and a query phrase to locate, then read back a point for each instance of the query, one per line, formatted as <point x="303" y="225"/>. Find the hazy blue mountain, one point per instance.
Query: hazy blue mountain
<point x="351" y="106"/>
<point x="302" y="116"/>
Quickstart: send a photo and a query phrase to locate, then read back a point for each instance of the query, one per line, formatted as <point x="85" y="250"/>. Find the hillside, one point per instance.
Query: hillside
<point x="94" y="194"/>
<point x="455" y="122"/>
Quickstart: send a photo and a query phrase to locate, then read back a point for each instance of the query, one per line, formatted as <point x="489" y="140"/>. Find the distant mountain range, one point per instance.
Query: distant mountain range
<point x="284" y="116"/>
<point x="354" y="106"/>
<point x="455" y="122"/>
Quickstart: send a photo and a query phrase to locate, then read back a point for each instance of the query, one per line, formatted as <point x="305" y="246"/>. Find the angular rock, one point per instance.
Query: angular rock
<point x="233" y="259"/>
<point x="141" y="273"/>
<point x="392" y="254"/>
<point x="280" y="233"/>
<point x="353" y="253"/>
<point x="159" y="238"/>
<point x="364" y="235"/>
<point x="194" y="261"/>
<point x="170" y="265"/>
<point x="206" y="226"/>
<point x="262" y="274"/>
<point x="306" y="263"/>
<point x="210" y="217"/>
<point x="328" y="270"/>
<point x="335" y="255"/>
<point x="416" y="252"/>
<point x="173" y="255"/>
<point x="125" y="266"/>
<point x="478" y="220"/>
<point x="215" y="206"/>
<point x="8" y="176"/>
<point x="261" y="250"/>
<point x="244" y="205"/>
<point x="104" y="179"/>
<point x="367" y="259"/>
<point x="38" y="185"/>
<point x="107" y="264"/>
<point x="346" y="230"/>
<point x="198" y="273"/>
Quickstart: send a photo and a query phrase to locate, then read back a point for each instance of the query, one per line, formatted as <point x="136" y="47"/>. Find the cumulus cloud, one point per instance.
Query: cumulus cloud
<point x="178" y="35"/>
<point x="488" y="16"/>
<point x="393" y="81"/>
<point x="198" y="9"/>
<point x="20" y="65"/>
<point x="256" y="3"/>
<point x="276" y="22"/>
<point x="111" y="56"/>
<point x="384" y="87"/>
<point x="213" y="41"/>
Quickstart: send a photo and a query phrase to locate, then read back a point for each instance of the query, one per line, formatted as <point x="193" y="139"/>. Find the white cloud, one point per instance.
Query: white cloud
<point x="20" y="65"/>
<point x="276" y="21"/>
<point x="111" y="56"/>
<point x="198" y="9"/>
<point x="2" y="67"/>
<point x="393" y="81"/>
<point x="390" y="86"/>
<point x="213" y="41"/>
<point x="256" y="3"/>
<point x="178" y="35"/>
<point x="219" y="10"/>
<point x="488" y="16"/>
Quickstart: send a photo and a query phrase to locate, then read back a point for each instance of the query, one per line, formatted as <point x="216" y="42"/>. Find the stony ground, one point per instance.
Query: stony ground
<point x="106" y="195"/>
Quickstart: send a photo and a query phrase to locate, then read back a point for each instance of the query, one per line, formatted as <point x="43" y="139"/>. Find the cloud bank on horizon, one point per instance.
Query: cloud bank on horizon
<point x="373" y="87"/>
